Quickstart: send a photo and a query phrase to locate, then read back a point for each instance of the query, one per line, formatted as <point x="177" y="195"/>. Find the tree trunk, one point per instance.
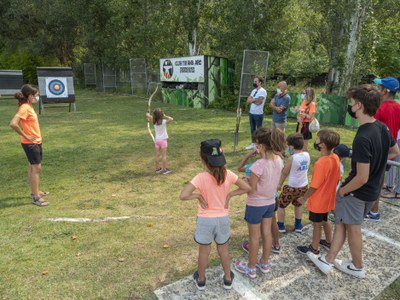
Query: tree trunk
<point x="355" y="26"/>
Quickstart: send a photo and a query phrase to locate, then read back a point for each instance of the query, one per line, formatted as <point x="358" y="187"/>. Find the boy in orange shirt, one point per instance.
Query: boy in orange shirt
<point x="322" y="191"/>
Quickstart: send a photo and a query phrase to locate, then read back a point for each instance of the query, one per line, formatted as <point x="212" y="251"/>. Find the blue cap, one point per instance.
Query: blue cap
<point x="392" y="84"/>
<point x="342" y="151"/>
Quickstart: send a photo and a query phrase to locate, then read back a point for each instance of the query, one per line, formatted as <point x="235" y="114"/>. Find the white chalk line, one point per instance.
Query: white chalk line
<point x="106" y="219"/>
<point x="380" y="237"/>
<point x="244" y="288"/>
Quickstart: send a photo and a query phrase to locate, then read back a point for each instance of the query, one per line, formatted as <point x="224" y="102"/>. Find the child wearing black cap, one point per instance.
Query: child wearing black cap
<point x="213" y="186"/>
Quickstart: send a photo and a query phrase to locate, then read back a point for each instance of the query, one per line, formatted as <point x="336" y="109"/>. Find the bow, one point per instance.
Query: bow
<point x="148" y="110"/>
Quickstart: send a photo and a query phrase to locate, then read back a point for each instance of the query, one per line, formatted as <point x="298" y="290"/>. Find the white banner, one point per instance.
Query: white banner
<point x="56" y="87"/>
<point x="182" y="69"/>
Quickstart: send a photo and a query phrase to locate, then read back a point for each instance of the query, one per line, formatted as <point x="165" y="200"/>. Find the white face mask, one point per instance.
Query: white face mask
<point x="303" y="96"/>
<point x="278" y="90"/>
<point x="36" y="99"/>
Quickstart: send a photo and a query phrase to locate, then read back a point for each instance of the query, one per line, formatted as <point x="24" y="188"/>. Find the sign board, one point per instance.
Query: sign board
<point x="182" y="69"/>
<point x="11" y="82"/>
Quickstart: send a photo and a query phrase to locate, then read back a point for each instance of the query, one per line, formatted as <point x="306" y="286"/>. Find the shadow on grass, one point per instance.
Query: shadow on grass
<point x="13" y="202"/>
<point x="128" y="175"/>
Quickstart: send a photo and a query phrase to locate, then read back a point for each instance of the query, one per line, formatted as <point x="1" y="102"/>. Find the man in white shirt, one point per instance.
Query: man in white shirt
<point x="257" y="100"/>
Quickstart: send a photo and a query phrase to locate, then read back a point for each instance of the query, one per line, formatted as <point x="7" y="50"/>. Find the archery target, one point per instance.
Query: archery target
<point x="56" y="87"/>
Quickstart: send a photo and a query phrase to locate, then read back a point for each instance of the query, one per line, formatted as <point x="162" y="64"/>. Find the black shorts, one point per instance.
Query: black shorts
<point x="33" y="153"/>
<point x="305" y="131"/>
<point x="318" y="217"/>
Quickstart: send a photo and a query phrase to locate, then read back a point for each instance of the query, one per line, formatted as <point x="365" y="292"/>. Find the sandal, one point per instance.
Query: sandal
<point x="391" y="196"/>
<point x="40" y="202"/>
<point x="41" y="194"/>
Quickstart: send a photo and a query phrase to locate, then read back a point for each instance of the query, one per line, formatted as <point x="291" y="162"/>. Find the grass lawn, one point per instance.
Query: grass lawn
<point x="99" y="162"/>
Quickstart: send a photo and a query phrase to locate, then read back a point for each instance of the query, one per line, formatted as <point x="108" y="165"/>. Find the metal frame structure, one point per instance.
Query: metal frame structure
<point x="248" y="71"/>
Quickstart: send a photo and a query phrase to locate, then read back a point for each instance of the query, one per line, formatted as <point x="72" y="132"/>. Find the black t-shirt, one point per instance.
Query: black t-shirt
<point x="370" y="146"/>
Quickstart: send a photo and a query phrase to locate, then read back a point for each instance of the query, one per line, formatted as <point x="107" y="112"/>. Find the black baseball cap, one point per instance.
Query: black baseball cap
<point x="213" y="150"/>
<point x="342" y="151"/>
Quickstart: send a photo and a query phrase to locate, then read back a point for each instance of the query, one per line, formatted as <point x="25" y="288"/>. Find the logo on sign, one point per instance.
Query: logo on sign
<point x="168" y="69"/>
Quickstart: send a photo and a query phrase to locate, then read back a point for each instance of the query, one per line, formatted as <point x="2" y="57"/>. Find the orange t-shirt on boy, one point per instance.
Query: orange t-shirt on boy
<point x="30" y="124"/>
<point x="325" y="177"/>
<point x="213" y="194"/>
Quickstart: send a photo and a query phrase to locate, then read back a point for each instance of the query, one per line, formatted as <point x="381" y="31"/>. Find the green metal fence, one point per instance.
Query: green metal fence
<point x="331" y="109"/>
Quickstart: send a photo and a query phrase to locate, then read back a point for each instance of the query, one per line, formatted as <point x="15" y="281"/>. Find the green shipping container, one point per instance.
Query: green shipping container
<point x="195" y="81"/>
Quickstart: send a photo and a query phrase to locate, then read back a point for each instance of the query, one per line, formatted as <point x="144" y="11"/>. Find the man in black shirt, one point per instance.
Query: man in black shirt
<point x="373" y="145"/>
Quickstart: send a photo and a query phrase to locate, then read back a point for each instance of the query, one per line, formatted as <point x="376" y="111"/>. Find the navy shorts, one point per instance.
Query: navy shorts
<point x="33" y="153"/>
<point x="318" y="217"/>
<point x="255" y="214"/>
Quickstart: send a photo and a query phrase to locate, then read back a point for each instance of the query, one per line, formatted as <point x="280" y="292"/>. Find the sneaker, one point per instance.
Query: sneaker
<point x="306" y="249"/>
<point x="158" y="170"/>
<point x="281" y="227"/>
<point x="298" y="228"/>
<point x="251" y="146"/>
<point x="165" y="171"/>
<point x="349" y="268"/>
<point x="263" y="267"/>
<point x="373" y="217"/>
<point x="276" y="249"/>
<point x="320" y="262"/>
<point x="243" y="268"/>
<point x="228" y="283"/>
<point x="200" y="285"/>
<point x="325" y="244"/>
<point x="246" y="246"/>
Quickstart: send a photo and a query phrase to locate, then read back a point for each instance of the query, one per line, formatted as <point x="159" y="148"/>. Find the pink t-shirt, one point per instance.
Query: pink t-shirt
<point x="269" y="172"/>
<point x="213" y="194"/>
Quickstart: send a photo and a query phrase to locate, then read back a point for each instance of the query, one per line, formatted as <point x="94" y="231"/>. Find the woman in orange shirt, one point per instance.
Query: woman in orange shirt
<point x="31" y="139"/>
<point x="306" y="114"/>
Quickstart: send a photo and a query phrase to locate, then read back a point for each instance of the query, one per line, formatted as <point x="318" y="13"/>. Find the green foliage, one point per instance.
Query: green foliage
<point x="304" y="38"/>
<point x="27" y="62"/>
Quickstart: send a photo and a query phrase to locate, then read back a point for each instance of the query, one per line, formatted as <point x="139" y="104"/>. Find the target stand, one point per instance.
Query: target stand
<point x="56" y="85"/>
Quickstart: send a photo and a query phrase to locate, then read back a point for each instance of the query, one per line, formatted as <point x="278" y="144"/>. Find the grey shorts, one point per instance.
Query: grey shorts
<point x="351" y="210"/>
<point x="209" y="229"/>
<point x="280" y="126"/>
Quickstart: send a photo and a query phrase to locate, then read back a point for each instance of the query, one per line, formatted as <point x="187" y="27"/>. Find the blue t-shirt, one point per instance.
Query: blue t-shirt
<point x="282" y="116"/>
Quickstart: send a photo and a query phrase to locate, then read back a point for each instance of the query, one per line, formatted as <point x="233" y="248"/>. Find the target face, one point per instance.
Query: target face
<point x="56" y="87"/>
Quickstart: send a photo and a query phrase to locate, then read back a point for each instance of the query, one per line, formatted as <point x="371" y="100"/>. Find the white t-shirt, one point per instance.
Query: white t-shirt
<point x="161" y="130"/>
<point x="258" y="109"/>
<point x="298" y="172"/>
<point x="398" y="135"/>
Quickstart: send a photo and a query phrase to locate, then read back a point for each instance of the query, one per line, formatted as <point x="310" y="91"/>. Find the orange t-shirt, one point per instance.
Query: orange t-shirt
<point x="325" y="177"/>
<point x="312" y="109"/>
<point x="213" y="194"/>
<point x="30" y="124"/>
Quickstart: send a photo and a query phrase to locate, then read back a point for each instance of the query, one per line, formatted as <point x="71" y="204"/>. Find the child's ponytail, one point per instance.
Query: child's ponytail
<point x="273" y="139"/>
<point x="212" y="156"/>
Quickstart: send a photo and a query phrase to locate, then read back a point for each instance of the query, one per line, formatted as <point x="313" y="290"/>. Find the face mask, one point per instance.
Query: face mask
<point x="290" y="151"/>
<point x="351" y="113"/>
<point x="35" y="99"/>
<point x="278" y="91"/>
<point x="255" y="85"/>
<point x="316" y="146"/>
<point x="303" y="96"/>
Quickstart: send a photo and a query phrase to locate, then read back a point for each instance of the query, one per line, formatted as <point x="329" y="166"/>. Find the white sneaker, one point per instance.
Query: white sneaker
<point x="320" y="262"/>
<point x="349" y="268"/>
<point x="251" y="146"/>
